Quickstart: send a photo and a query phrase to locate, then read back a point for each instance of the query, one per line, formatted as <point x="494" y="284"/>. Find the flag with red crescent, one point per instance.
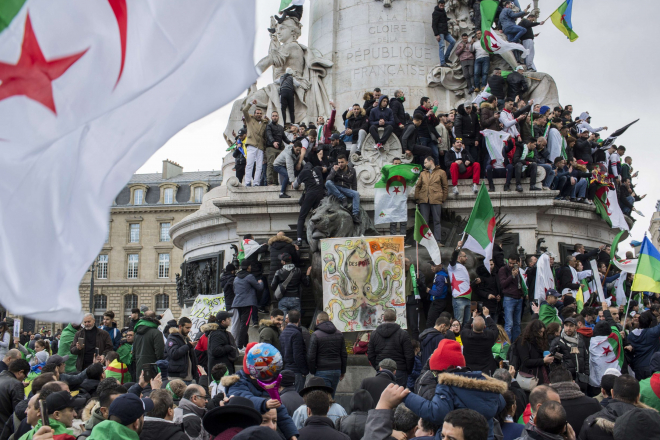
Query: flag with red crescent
<point x="391" y="192"/>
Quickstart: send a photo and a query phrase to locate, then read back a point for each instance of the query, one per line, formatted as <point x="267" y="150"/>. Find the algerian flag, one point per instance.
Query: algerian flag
<point x="89" y="90"/>
<point x="544" y="278"/>
<point x="392" y="190"/>
<point x="607" y="205"/>
<point x="490" y="40"/>
<point x="460" y="281"/>
<point x="482" y="96"/>
<point x="424" y="236"/>
<point x="604" y="352"/>
<point x="522" y="273"/>
<point x="494" y="142"/>
<point x="286" y="3"/>
<point x="615" y="244"/>
<point x="629" y="266"/>
<point x="548" y="314"/>
<point x="620" y="289"/>
<point x="481" y="227"/>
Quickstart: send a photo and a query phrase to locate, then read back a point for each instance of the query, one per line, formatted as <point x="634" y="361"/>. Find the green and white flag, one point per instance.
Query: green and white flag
<point x="424" y="236"/>
<point x="89" y="90"/>
<point x="481" y="227"/>
<point x="391" y="192"/>
<point x="494" y="142"/>
<point x="286" y="3"/>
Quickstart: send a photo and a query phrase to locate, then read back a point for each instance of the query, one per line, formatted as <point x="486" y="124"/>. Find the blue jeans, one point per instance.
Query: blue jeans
<point x="284" y="176"/>
<point x="549" y="174"/>
<point x="445" y="54"/>
<point x="579" y="190"/>
<point x="481" y="67"/>
<point x="341" y="193"/>
<point x="512" y="314"/>
<point x="331" y="378"/>
<point x="461" y="309"/>
<point x="514" y="33"/>
<point x="428" y="142"/>
<point x="625" y="209"/>
<point x="289" y="303"/>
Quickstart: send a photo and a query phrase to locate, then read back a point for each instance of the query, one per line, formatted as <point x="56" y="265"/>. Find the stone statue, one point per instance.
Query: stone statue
<point x="214" y="275"/>
<point x="179" y="289"/>
<point x="311" y="98"/>
<point x="206" y="279"/>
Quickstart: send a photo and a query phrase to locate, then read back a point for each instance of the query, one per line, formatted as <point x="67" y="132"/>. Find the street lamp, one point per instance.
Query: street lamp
<point x="92" y="269"/>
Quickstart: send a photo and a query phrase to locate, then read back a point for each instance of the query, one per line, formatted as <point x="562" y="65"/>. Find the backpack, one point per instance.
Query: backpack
<point x="361" y="343"/>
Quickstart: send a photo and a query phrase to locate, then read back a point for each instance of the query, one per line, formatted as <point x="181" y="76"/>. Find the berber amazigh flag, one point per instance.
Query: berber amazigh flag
<point x="480" y="227"/>
<point x="647" y="276"/>
<point x="604" y="352"/>
<point x="491" y="41"/>
<point x="424" y="236"/>
<point x="89" y="90"/>
<point x="392" y="190"/>
<point x="562" y="19"/>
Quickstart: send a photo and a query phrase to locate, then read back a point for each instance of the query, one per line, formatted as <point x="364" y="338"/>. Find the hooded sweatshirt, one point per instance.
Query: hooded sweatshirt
<point x="149" y="344"/>
<point x="378" y="113"/>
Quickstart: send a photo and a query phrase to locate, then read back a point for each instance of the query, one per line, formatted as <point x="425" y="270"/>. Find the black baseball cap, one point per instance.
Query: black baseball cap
<point x="335" y="137"/>
<point x="553" y="292"/>
<point x="129" y="407"/>
<point x="570" y="321"/>
<point x="57" y="359"/>
<point x="61" y="400"/>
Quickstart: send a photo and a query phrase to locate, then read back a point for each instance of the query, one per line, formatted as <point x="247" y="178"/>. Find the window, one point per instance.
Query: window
<point x="165" y="231"/>
<point x="138" y="196"/>
<point x="163" y="265"/>
<point x="133" y="260"/>
<point x="135" y="233"/>
<point x="199" y="193"/>
<point x="102" y="268"/>
<point x="100" y="307"/>
<point x="162" y="303"/>
<point x="168" y="198"/>
<point x="130" y="303"/>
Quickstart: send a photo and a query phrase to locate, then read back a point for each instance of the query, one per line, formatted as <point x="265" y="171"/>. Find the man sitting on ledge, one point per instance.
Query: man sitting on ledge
<point x="461" y="166"/>
<point x="342" y="183"/>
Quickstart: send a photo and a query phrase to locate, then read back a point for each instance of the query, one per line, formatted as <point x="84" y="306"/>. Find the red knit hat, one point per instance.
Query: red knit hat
<point x="247" y="350"/>
<point x="448" y="354"/>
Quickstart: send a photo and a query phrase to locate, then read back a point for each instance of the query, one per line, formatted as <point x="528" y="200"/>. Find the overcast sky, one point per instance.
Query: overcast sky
<point x="610" y="71"/>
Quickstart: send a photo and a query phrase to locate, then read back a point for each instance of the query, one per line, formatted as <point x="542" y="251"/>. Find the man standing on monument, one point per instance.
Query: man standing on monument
<point x="255" y="141"/>
<point x="430" y="193"/>
<point x="396" y="104"/>
<point x="312" y="178"/>
<point x="325" y="128"/>
<point x="466" y="57"/>
<point x="275" y="143"/>
<point x="440" y="26"/>
<point x="426" y="131"/>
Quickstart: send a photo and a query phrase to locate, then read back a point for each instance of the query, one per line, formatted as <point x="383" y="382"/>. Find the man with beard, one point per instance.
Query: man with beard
<point x="181" y="352"/>
<point x="125" y="419"/>
<point x="86" y="342"/>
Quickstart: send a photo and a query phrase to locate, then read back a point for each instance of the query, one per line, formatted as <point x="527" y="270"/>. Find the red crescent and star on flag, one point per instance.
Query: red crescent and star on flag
<point x="396" y="189"/>
<point x="425" y="231"/>
<point x="32" y="75"/>
<point x="456" y="284"/>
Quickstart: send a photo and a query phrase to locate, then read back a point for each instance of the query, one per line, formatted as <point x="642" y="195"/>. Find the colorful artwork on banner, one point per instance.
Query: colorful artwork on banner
<point x="204" y="306"/>
<point x="363" y="277"/>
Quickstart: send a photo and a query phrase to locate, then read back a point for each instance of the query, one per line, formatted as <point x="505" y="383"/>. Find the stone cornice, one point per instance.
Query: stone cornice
<point x="154" y="209"/>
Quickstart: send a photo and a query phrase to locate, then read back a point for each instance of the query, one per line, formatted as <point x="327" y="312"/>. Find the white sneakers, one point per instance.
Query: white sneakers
<point x="475" y="188"/>
<point x="454" y="191"/>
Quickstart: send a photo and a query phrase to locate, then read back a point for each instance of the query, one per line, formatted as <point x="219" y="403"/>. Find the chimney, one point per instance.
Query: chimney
<point x="171" y="169"/>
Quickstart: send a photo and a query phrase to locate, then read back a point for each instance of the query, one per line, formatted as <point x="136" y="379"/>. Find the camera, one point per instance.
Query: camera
<point x="555" y="352"/>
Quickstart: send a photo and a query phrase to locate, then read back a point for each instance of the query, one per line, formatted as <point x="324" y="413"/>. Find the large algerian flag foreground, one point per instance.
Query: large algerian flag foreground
<point x="491" y="41"/>
<point x="391" y="192"/>
<point x="424" y="236"/>
<point x="647" y="276"/>
<point x="607" y="205"/>
<point x="89" y="91"/>
<point x="480" y="227"/>
<point x="604" y="352"/>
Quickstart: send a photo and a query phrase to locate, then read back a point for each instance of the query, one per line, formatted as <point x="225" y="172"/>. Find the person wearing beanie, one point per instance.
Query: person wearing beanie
<point x="288" y="394"/>
<point x="245" y="385"/>
<point x="649" y="388"/>
<point x="458" y="389"/>
<point x="573" y="349"/>
<point x="221" y="344"/>
<point x="246" y="287"/>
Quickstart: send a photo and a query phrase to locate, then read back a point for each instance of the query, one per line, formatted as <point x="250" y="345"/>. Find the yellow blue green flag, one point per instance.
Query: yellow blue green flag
<point x="562" y="19"/>
<point x="647" y="276"/>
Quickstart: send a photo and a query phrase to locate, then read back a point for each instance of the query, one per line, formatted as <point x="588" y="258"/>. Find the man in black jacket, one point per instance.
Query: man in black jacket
<point x="319" y="425"/>
<point x="426" y="132"/>
<point x="342" y="183"/>
<point x="583" y="147"/>
<point x="258" y="272"/>
<point x="517" y="83"/>
<point x="386" y="375"/>
<point x="526" y="166"/>
<point x="326" y="355"/>
<point x="294" y="354"/>
<point x="389" y="340"/>
<point x="409" y="144"/>
<point x="221" y="345"/>
<point x="275" y="143"/>
<point x="462" y="165"/>
<point x="478" y="336"/>
<point x="396" y="105"/>
<point x="582" y="255"/>
<point x="181" y="353"/>
<point x="278" y="245"/>
<point x="466" y="127"/>
<point x="574" y="353"/>
<point x="497" y="85"/>
<point x="337" y="148"/>
<point x="568" y="281"/>
<point x="357" y="125"/>
<point x="12" y="391"/>
<point x="291" y="293"/>
<point x="312" y="177"/>
<point x="440" y="24"/>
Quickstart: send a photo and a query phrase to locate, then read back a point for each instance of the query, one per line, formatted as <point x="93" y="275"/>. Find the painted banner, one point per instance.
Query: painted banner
<point x="363" y="277"/>
<point x="202" y="308"/>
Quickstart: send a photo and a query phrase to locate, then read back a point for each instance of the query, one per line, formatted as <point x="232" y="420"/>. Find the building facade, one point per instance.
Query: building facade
<point x="138" y="263"/>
